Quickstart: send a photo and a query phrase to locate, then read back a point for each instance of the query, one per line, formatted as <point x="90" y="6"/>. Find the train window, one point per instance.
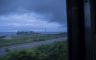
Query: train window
<point x="33" y="30"/>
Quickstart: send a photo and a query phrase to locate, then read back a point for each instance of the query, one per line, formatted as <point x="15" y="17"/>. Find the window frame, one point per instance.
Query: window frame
<point x="76" y="29"/>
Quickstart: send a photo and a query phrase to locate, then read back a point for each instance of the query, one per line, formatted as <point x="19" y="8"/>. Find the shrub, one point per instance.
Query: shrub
<point x="22" y="55"/>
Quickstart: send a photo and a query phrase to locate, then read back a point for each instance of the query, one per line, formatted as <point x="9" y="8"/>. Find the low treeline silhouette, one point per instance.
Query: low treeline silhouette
<point x="2" y="37"/>
<point x="26" y="32"/>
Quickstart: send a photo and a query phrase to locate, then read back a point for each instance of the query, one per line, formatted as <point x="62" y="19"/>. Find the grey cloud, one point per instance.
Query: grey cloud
<point x="56" y="7"/>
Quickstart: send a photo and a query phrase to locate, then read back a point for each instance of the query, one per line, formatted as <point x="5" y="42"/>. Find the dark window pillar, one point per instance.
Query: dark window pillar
<point x="76" y="34"/>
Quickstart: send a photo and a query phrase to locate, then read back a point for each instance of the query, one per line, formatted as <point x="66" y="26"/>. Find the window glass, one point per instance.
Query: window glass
<point x="33" y="30"/>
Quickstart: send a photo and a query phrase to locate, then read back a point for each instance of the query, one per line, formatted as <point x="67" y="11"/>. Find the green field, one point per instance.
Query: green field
<point x="25" y="38"/>
<point x="55" y="51"/>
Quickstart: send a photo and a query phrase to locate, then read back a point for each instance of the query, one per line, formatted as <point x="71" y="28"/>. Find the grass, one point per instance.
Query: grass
<point x="20" y="39"/>
<point x="55" y="51"/>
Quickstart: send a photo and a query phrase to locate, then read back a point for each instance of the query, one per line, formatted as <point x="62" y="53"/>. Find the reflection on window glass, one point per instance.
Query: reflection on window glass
<point x="87" y="14"/>
<point x="33" y="30"/>
<point x="88" y="24"/>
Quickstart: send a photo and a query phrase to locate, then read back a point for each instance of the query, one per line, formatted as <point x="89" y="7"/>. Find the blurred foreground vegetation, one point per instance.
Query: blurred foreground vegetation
<point x="55" y="51"/>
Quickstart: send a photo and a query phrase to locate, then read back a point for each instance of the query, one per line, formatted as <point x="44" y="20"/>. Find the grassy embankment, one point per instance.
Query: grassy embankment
<point x="20" y="39"/>
<point x="55" y="51"/>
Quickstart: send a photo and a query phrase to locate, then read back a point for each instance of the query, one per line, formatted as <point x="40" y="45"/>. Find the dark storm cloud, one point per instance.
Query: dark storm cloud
<point x="56" y="7"/>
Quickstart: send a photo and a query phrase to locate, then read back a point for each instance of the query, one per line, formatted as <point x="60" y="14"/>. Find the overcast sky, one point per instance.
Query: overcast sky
<point x="33" y="15"/>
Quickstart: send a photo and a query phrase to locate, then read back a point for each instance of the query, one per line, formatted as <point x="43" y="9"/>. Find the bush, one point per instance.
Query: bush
<point x="23" y="55"/>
